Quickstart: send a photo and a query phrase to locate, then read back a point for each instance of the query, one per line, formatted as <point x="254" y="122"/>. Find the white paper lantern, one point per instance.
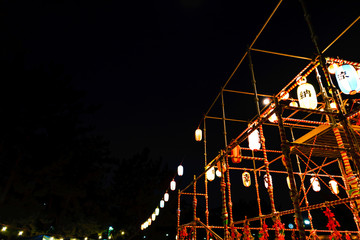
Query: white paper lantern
<point x="254" y="140"/>
<point x="293" y="104"/>
<point x="162" y="203"/>
<point x="157" y="211"/>
<point x="210" y="174"/>
<point x="307" y="96"/>
<point x="348" y="79"/>
<point x="153" y="217"/>
<point x="334" y="187"/>
<point x="198" y="135"/>
<point x="246" y="178"/>
<point x="166" y="197"/>
<point x="333" y="67"/>
<point x="149" y="221"/>
<point x="315" y="184"/>
<point x="173" y="185"/>
<point x="218" y="173"/>
<point x="267" y="181"/>
<point x="180" y="170"/>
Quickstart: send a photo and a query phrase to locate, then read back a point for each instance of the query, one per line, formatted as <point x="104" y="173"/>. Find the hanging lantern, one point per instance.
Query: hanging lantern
<point x="198" y="135"/>
<point x="348" y="80"/>
<point x="162" y="203"/>
<point x="333" y="105"/>
<point x="173" y="185"/>
<point x="314" y="181"/>
<point x="236" y="154"/>
<point x="273" y="118"/>
<point x="157" y="211"/>
<point x="246" y="179"/>
<point x="153" y="216"/>
<point x="293" y="104"/>
<point x="210" y="174"/>
<point x="307" y="96"/>
<point x="180" y="170"/>
<point x="166" y="197"/>
<point x="149" y="221"/>
<point x="254" y="140"/>
<point x="334" y="187"/>
<point x="221" y="166"/>
<point x="332" y="68"/>
<point x="146" y="224"/>
<point x="218" y="173"/>
<point x="267" y="181"/>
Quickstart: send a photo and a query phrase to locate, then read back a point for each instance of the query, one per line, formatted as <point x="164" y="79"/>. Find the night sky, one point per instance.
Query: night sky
<point x="155" y="67"/>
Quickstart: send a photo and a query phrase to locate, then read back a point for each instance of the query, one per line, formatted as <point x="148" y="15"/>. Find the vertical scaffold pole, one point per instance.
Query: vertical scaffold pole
<point x="206" y="184"/>
<point x="294" y="195"/>
<point x="178" y="215"/>
<point x="194" y="206"/>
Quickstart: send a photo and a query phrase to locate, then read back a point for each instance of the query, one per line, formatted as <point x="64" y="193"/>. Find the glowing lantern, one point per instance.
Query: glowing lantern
<point x="236" y="154"/>
<point x="221" y="165"/>
<point x="198" y="135"/>
<point x="153" y="216"/>
<point x="307" y="96"/>
<point x="146" y="224"/>
<point x="332" y="68"/>
<point x="348" y="79"/>
<point x="266" y="101"/>
<point x="293" y="104"/>
<point x="333" y="105"/>
<point x="273" y="118"/>
<point x="173" y="185"/>
<point x="246" y="179"/>
<point x="210" y="174"/>
<point x="166" y="197"/>
<point x="288" y="182"/>
<point x="315" y="184"/>
<point x="4" y="229"/>
<point x="149" y="221"/>
<point x="254" y="140"/>
<point x="218" y="173"/>
<point x="267" y="181"/>
<point x="180" y="170"/>
<point x="162" y="203"/>
<point x="157" y="211"/>
<point x="334" y="187"/>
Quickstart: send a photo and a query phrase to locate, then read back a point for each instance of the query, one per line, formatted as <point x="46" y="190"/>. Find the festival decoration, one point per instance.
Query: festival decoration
<point x="157" y="211"/>
<point x="263" y="233"/>
<point x="267" y="181"/>
<point x="246" y="178"/>
<point x="236" y="154"/>
<point x="246" y="232"/>
<point x="332" y="224"/>
<point x="307" y="96"/>
<point x="153" y="216"/>
<point x="315" y="184"/>
<point x="173" y="185"/>
<point x="280" y="229"/>
<point x="166" y="196"/>
<point x="198" y="135"/>
<point x="254" y="140"/>
<point x="334" y="186"/>
<point x="180" y="170"/>
<point x="218" y="173"/>
<point x="348" y="79"/>
<point x="210" y="174"/>
<point x="293" y="104"/>
<point x="332" y="68"/>
<point x="162" y="203"/>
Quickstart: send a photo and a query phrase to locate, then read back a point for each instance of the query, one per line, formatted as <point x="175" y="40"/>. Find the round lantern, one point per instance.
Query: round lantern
<point x="198" y="135"/>
<point x="162" y="203"/>
<point x="218" y="173"/>
<point x="210" y="174"/>
<point x="348" y="79"/>
<point x="333" y="67"/>
<point x="173" y="185"/>
<point x="157" y="211"/>
<point x="166" y="197"/>
<point x="180" y="170"/>
<point x="236" y="154"/>
<point x="267" y="181"/>
<point x="254" y="140"/>
<point x="334" y="187"/>
<point x="246" y="179"/>
<point x="315" y="184"/>
<point x="307" y="96"/>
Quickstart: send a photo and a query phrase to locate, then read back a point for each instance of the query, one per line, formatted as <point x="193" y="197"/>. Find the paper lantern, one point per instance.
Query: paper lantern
<point x="221" y="165"/>
<point x="333" y="67"/>
<point x="334" y="187"/>
<point x="198" y="135"/>
<point x="273" y="118"/>
<point x="246" y="179"/>
<point x="153" y="217"/>
<point x="157" y="211"/>
<point x="236" y="154"/>
<point x="288" y="182"/>
<point x="173" y="185"/>
<point x="348" y="79"/>
<point x="166" y="197"/>
<point x="254" y="140"/>
<point x="307" y="96"/>
<point x="266" y="101"/>
<point x="149" y="221"/>
<point x="218" y="173"/>
<point x="293" y="104"/>
<point x="267" y="181"/>
<point x="162" y="203"/>
<point x="180" y="170"/>
<point x="315" y="184"/>
<point x="333" y="105"/>
<point x="210" y="174"/>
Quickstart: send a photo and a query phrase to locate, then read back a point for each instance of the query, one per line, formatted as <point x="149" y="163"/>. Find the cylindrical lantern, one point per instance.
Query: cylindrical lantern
<point x="157" y="211"/>
<point x="173" y="185"/>
<point x="348" y="79"/>
<point x="315" y="184"/>
<point x="267" y="181"/>
<point x="334" y="187"/>
<point x="246" y="179"/>
<point x="198" y="135"/>
<point x="210" y="174"/>
<point x="166" y="197"/>
<point x="153" y="217"/>
<point x="236" y="154"/>
<point x="307" y="96"/>
<point x="254" y="140"/>
<point x="333" y="67"/>
<point x="149" y="221"/>
<point x="180" y="170"/>
<point x="218" y="173"/>
<point x="162" y="203"/>
<point x="293" y="104"/>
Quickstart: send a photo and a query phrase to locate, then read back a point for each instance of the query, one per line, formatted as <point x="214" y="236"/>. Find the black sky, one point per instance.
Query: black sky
<point x="156" y="66"/>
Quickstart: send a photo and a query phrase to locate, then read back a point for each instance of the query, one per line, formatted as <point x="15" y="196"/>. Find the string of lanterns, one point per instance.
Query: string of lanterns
<point x="152" y="218"/>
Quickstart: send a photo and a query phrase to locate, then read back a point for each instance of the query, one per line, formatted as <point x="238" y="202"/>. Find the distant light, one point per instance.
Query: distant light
<point x="111" y="228"/>
<point x="166" y="197"/>
<point x="99" y="236"/>
<point x="4" y="229"/>
<point x="291" y="226"/>
<point x="162" y="204"/>
<point x="144" y="236"/>
<point x="157" y="211"/>
<point x="109" y="236"/>
<point x="51" y="238"/>
<point x="122" y="232"/>
<point x="173" y="185"/>
<point x="21" y="233"/>
<point x="153" y="217"/>
<point x="167" y="235"/>
<point x="307" y="222"/>
<point x="84" y="238"/>
<point x="266" y="101"/>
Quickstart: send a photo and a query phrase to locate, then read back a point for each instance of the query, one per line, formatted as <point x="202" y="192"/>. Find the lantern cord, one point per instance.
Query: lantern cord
<point x="281" y="54"/>
<point x="346" y="29"/>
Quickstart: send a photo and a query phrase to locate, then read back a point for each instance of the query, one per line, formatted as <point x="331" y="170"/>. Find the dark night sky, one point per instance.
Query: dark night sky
<point x="156" y="66"/>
